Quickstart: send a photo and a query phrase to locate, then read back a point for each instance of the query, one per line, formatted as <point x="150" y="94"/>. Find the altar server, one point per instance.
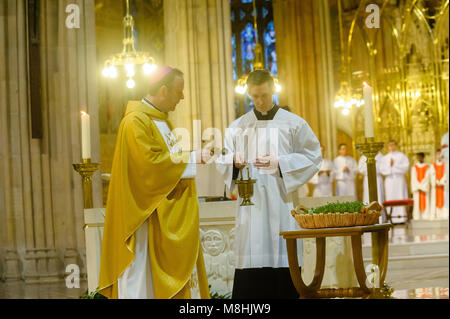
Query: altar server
<point x="422" y="176"/>
<point x="323" y="180"/>
<point x="362" y="167"/>
<point x="394" y="166"/>
<point x="444" y="147"/>
<point x="282" y="153"/>
<point x="438" y="188"/>
<point x="151" y="245"/>
<point x="345" y="169"/>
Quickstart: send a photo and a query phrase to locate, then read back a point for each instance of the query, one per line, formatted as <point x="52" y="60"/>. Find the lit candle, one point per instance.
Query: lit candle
<point x="368" y="111"/>
<point x="85" y="136"/>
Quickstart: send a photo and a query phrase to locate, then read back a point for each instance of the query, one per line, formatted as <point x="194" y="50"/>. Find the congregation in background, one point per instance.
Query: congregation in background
<point x="427" y="185"/>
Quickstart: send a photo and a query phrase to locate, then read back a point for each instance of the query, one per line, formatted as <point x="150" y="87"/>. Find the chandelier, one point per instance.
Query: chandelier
<point x="345" y="99"/>
<point x="257" y="63"/>
<point x="129" y="57"/>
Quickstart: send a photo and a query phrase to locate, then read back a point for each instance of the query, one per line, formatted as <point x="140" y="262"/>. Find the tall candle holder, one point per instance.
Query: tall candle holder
<point x="370" y="149"/>
<point x="86" y="170"/>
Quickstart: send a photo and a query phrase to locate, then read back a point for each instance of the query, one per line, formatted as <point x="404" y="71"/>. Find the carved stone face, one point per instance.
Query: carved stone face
<point x="213" y="242"/>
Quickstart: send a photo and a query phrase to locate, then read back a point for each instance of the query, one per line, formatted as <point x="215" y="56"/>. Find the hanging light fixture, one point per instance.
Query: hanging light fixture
<point x="129" y="58"/>
<point x="345" y="99"/>
<point x="241" y="86"/>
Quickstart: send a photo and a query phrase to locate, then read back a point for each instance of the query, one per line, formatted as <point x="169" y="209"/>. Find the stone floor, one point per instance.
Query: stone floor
<point x="20" y="290"/>
<point x="418" y="259"/>
<point x="418" y="267"/>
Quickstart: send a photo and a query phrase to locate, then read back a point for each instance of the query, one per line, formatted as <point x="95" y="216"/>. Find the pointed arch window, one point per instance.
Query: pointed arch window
<point x="243" y="43"/>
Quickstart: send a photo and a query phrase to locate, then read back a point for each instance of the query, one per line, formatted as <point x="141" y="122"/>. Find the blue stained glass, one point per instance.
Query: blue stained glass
<point x="244" y="38"/>
<point x="247" y="48"/>
<point x="270" y="54"/>
<point x="233" y="57"/>
<point x="265" y="12"/>
<point x="276" y="100"/>
<point x="242" y="14"/>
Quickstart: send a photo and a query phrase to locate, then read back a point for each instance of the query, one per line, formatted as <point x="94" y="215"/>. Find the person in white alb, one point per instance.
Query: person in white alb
<point x="422" y="175"/>
<point x="281" y="153"/>
<point x="362" y="167"/>
<point x="394" y="166"/>
<point x="323" y="180"/>
<point x="345" y="169"/>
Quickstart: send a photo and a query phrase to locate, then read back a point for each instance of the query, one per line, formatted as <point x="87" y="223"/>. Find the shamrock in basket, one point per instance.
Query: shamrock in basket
<point x="344" y="214"/>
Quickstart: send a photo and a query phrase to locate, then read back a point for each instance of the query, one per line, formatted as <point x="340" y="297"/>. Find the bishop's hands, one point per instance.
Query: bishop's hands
<point x="239" y="161"/>
<point x="208" y="155"/>
<point x="203" y="156"/>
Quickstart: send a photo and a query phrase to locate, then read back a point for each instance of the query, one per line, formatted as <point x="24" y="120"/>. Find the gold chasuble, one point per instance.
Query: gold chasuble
<point x="146" y="184"/>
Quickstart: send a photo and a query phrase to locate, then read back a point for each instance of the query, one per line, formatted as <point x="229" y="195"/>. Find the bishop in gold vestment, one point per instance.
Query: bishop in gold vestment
<point x="147" y="195"/>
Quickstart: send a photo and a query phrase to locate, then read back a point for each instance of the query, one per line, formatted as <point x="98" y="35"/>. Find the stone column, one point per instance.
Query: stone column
<point x="41" y="206"/>
<point x="201" y="48"/>
<point x="69" y="86"/>
<point x="305" y="70"/>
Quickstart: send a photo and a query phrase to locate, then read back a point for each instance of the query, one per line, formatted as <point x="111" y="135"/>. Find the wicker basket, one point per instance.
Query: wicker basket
<point x="369" y="215"/>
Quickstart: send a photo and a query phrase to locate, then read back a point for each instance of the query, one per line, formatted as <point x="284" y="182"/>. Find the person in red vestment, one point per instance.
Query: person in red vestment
<point x="437" y="192"/>
<point x="421" y="178"/>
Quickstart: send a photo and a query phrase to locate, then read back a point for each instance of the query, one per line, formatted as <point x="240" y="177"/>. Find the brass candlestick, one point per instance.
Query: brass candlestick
<point x="245" y="188"/>
<point x="370" y="149"/>
<point x="86" y="170"/>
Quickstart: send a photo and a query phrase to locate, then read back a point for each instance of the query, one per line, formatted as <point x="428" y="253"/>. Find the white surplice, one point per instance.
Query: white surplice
<point x="362" y="167"/>
<point x="323" y="180"/>
<point x="422" y="186"/>
<point x="395" y="186"/>
<point x="136" y="281"/>
<point x="258" y="242"/>
<point x="345" y="181"/>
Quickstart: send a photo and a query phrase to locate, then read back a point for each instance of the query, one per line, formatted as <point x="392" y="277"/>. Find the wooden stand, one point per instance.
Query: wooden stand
<point x="313" y="290"/>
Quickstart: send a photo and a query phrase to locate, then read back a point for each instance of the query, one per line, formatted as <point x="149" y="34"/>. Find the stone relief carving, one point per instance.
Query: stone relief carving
<point x="217" y="245"/>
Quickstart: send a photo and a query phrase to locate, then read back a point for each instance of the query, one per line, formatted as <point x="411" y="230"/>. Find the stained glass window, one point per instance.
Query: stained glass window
<point x="247" y="48"/>
<point x="243" y="43"/>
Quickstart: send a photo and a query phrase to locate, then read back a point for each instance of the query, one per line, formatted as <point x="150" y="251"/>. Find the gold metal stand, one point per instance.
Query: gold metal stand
<point x="86" y="170"/>
<point x="370" y="149"/>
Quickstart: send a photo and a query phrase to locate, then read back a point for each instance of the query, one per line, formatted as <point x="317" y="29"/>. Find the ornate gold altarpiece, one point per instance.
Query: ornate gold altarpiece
<point x="405" y="60"/>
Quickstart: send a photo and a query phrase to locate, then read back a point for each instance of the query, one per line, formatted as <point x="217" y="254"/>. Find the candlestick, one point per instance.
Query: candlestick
<point x="368" y="111"/>
<point x="86" y="170"/>
<point x="85" y="136"/>
<point x="370" y="149"/>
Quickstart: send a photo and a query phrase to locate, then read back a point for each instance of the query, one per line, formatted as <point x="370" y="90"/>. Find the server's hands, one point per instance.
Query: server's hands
<point x="266" y="162"/>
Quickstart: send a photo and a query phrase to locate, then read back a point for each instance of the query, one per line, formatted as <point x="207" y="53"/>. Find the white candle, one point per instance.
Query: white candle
<point x="368" y="111"/>
<point x="85" y="136"/>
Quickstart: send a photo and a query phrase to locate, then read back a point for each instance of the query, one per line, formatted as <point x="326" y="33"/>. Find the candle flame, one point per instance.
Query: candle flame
<point x="365" y="84"/>
<point x="83" y="113"/>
